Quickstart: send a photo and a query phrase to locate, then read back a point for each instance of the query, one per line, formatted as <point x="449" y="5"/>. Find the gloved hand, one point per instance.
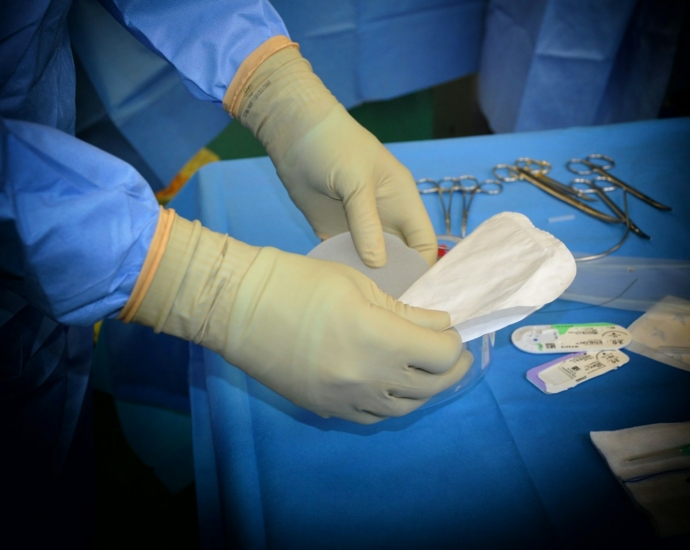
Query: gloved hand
<point x="319" y="333"/>
<point x="336" y="172"/>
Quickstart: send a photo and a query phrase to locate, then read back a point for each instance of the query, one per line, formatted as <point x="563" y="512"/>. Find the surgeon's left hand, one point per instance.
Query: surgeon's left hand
<point x="336" y="172"/>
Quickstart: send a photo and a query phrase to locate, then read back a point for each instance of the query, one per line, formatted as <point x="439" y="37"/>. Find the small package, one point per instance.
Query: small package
<point x="570" y="338"/>
<point x="567" y="372"/>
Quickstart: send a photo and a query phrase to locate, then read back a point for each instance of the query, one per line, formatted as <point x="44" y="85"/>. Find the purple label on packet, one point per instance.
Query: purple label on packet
<point x="533" y="374"/>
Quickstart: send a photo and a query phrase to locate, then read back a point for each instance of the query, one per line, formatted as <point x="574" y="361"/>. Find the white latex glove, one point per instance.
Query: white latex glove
<point x="336" y="172"/>
<point x="319" y="333"/>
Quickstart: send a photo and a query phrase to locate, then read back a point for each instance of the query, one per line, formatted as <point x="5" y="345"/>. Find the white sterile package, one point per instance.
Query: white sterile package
<point x="503" y="271"/>
<point x="652" y="463"/>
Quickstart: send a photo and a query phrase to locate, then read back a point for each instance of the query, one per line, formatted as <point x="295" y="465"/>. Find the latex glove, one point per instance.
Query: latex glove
<point x="336" y="172"/>
<point x="319" y="333"/>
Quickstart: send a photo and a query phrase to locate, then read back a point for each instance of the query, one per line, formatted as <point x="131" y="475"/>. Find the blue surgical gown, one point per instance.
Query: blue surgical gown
<point x="75" y="226"/>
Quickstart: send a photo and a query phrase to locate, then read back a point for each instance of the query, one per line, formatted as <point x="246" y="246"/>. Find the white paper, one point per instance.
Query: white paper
<point x="499" y="274"/>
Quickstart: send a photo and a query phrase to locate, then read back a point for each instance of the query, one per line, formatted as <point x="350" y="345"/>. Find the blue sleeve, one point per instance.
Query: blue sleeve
<point x="75" y="222"/>
<point x="205" y="40"/>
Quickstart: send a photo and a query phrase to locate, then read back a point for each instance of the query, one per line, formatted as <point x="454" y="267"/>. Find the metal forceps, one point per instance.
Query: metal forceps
<point x="443" y="186"/>
<point x="450" y="185"/>
<point x="526" y="165"/>
<point x="488" y="187"/>
<point x="601" y="164"/>
<point x="522" y="170"/>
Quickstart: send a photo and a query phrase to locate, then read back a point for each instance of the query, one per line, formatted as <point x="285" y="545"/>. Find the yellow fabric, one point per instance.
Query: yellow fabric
<point x="319" y="333"/>
<point x="336" y="172"/>
<point x="203" y="157"/>
<point x="97" y="331"/>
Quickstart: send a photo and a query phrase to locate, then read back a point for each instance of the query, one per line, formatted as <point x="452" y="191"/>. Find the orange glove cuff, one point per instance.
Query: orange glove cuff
<point x="151" y="263"/>
<point x="240" y="83"/>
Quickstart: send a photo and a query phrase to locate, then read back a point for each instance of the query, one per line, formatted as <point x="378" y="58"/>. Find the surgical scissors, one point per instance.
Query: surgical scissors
<point x="543" y="168"/>
<point x="601" y="192"/>
<point x="449" y="185"/>
<point x="602" y="169"/>
<point x="625" y="218"/>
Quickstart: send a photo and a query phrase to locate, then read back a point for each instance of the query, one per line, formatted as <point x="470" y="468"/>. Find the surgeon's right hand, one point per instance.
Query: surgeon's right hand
<point x="319" y="333"/>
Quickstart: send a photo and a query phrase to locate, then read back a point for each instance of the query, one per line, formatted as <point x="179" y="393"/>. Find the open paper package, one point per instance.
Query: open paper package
<point x="502" y="272"/>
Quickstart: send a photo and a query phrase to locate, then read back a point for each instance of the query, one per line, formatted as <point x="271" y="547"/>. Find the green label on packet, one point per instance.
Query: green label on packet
<point x="573" y="338"/>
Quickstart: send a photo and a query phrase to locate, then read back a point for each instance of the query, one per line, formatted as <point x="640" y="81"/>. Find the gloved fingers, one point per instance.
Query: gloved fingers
<point x="416" y="229"/>
<point x="395" y="405"/>
<point x="426" y="318"/>
<point x="402" y="210"/>
<point x="363" y="416"/>
<point x="434" y="352"/>
<point x="365" y="225"/>
<point x="400" y="400"/>
<point x="419" y="234"/>
<point x="324" y="213"/>
<point x="381" y="404"/>
<point x="428" y="350"/>
<point x="422" y="385"/>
